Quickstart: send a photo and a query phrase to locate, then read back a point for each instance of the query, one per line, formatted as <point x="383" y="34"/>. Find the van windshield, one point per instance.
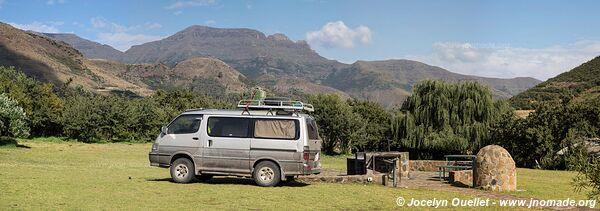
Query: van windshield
<point x="313" y="133"/>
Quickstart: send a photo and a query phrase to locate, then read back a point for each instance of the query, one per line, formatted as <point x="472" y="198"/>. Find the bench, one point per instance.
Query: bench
<point x="456" y="162"/>
<point x="449" y="168"/>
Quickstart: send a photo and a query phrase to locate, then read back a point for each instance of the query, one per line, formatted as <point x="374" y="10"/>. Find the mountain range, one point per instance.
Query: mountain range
<point x="226" y="61"/>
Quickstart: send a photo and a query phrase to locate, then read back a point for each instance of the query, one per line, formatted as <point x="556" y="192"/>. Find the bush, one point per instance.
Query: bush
<point x="588" y="177"/>
<point x="13" y="122"/>
<point x="42" y="105"/>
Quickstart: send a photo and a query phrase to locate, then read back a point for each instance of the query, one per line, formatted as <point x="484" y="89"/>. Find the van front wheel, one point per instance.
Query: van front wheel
<point x="182" y="170"/>
<point x="267" y="174"/>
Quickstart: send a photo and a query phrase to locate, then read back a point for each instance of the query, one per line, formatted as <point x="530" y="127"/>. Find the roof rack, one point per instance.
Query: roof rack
<point x="194" y="109"/>
<point x="287" y="105"/>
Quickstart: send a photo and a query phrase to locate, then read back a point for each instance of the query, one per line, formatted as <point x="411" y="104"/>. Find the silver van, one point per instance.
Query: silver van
<point x="268" y="142"/>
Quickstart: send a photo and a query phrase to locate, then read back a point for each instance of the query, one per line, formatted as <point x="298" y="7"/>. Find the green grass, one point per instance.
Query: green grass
<point x="71" y="175"/>
<point x="546" y="184"/>
<point x="337" y="162"/>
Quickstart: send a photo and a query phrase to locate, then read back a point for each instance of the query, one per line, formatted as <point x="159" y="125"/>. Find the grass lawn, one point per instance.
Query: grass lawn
<point x="68" y="175"/>
<point x="546" y="184"/>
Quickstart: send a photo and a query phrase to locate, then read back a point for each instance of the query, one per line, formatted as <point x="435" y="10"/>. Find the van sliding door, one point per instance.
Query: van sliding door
<point x="227" y="145"/>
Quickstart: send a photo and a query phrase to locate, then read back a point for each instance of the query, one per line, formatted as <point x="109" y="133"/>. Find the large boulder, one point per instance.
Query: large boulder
<point x="496" y="170"/>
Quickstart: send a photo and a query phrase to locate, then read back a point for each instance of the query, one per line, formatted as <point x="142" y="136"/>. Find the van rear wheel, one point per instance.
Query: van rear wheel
<point x="182" y="170"/>
<point x="267" y="174"/>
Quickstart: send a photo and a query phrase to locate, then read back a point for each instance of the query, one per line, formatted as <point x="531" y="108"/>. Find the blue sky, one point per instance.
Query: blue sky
<point x="488" y="38"/>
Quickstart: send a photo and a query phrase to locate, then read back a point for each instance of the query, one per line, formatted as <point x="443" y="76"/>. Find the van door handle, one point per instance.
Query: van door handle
<point x="209" y="143"/>
<point x="195" y="138"/>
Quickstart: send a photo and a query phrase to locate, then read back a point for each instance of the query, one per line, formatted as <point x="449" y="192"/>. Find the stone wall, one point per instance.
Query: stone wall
<point x="463" y="177"/>
<point x="404" y="165"/>
<point x="425" y="165"/>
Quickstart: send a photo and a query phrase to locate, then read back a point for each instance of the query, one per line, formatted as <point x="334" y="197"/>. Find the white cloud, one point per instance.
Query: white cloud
<point x="151" y="26"/>
<point x="123" y="41"/>
<point x="122" y="37"/>
<point x="504" y="61"/>
<point x="98" y="22"/>
<point x="53" y="2"/>
<point x="210" y="22"/>
<point x="190" y="3"/>
<point x="46" y="27"/>
<point x="338" y="35"/>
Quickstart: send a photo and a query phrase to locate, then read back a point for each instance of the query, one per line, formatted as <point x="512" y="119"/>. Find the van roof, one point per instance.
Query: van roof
<point x="239" y="112"/>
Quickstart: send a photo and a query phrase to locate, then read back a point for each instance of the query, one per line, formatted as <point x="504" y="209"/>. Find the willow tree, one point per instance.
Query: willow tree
<point x="445" y="118"/>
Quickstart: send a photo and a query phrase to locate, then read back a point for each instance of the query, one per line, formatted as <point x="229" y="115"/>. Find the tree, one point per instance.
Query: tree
<point x="374" y="126"/>
<point x="534" y="141"/>
<point x="13" y="121"/>
<point x="338" y="125"/>
<point x="441" y="118"/>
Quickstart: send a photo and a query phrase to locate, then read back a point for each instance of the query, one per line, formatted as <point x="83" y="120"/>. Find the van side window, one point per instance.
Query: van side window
<point x="185" y="124"/>
<point x="313" y="133"/>
<point x="276" y="129"/>
<point x="228" y="127"/>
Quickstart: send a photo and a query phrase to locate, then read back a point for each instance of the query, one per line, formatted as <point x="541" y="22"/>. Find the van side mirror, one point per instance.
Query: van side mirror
<point x="163" y="130"/>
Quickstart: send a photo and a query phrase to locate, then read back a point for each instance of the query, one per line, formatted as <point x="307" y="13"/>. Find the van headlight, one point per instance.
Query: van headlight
<point x="155" y="147"/>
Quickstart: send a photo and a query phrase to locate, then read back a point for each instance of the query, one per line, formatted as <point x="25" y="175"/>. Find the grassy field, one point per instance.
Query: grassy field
<point x="67" y="175"/>
<point x="546" y="184"/>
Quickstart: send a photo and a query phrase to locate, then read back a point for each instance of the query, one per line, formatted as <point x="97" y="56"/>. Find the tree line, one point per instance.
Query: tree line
<point x="85" y="116"/>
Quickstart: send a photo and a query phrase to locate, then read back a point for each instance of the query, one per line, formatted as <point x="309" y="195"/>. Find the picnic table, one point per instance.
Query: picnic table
<point x="456" y="162"/>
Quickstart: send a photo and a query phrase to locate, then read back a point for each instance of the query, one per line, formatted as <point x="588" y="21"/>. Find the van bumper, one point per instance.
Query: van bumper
<point x="308" y="171"/>
<point x="154" y="159"/>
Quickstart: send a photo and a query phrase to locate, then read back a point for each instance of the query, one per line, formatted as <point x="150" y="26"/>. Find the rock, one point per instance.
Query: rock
<point x="496" y="170"/>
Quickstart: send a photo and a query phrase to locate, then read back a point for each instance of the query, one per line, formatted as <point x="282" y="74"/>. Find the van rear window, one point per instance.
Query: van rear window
<point x="228" y="127"/>
<point x="276" y="128"/>
<point x="313" y="133"/>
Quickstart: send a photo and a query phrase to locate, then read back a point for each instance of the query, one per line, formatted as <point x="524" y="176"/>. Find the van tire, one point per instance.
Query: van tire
<point x="182" y="170"/>
<point x="266" y="174"/>
<point x="204" y="177"/>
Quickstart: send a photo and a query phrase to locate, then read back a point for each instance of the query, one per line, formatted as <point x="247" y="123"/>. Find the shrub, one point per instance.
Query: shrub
<point x="37" y="99"/>
<point x="588" y="178"/>
<point x="13" y="121"/>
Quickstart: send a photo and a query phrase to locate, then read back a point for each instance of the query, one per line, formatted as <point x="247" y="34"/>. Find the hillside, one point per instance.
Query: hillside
<point x="200" y="74"/>
<point x="389" y="82"/>
<point x="247" y="50"/>
<point x="56" y="62"/>
<point x="89" y="49"/>
<point x="582" y="83"/>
